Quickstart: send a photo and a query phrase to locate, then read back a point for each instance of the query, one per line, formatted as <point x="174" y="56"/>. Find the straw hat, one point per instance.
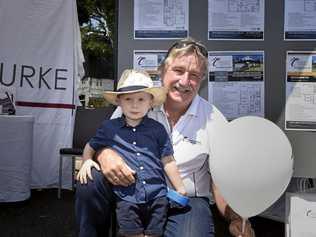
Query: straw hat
<point x="133" y="81"/>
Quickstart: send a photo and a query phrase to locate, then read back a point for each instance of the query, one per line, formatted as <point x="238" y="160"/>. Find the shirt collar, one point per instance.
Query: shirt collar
<point x="192" y="110"/>
<point x="122" y="122"/>
<point x="159" y="109"/>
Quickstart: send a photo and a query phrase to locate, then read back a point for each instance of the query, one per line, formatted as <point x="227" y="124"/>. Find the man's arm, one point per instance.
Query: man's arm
<point x="88" y="152"/>
<point x="219" y="200"/>
<point x="235" y="226"/>
<point x="114" y="167"/>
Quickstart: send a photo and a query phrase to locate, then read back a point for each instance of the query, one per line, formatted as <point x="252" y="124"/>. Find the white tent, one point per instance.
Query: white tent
<point x="41" y="61"/>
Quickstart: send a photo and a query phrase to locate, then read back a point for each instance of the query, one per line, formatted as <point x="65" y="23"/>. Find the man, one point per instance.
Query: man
<point x="191" y="123"/>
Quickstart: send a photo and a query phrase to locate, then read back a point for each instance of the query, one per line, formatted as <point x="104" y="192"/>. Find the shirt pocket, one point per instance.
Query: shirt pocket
<point x="190" y="153"/>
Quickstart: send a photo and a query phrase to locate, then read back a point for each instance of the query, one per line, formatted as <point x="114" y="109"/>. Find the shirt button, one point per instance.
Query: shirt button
<point x="141" y="168"/>
<point x="144" y="182"/>
<point x="138" y="154"/>
<point x="134" y="143"/>
<point x="134" y="129"/>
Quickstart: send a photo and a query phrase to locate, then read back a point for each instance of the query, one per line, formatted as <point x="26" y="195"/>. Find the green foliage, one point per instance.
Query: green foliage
<point x="97" y="102"/>
<point x="97" y="26"/>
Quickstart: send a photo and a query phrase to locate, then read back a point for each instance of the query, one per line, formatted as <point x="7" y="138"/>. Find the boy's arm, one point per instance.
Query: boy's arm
<point x="173" y="174"/>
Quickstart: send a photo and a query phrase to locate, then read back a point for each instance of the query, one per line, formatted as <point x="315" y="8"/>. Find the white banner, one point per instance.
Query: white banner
<point x="40" y="56"/>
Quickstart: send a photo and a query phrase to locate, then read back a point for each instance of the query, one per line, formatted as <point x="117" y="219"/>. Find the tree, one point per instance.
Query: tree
<point x="97" y="26"/>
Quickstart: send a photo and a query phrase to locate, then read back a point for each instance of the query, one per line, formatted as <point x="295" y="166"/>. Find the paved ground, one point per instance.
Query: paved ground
<point x="43" y="215"/>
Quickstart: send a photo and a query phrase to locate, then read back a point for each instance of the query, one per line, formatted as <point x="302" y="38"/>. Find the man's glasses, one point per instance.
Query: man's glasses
<point x="184" y="44"/>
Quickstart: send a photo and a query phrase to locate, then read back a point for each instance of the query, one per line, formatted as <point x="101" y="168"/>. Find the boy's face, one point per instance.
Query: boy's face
<point x="135" y="106"/>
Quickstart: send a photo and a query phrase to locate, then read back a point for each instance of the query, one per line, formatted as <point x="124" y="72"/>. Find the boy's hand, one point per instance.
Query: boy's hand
<point x="85" y="171"/>
<point x="182" y="191"/>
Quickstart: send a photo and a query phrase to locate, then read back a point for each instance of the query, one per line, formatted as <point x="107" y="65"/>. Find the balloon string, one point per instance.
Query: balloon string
<point x="243" y="225"/>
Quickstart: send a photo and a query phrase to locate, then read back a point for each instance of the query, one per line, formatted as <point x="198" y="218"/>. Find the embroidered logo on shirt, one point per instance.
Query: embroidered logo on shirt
<point x="191" y="140"/>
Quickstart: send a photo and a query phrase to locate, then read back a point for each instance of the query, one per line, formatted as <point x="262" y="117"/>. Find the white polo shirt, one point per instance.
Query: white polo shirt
<point x="191" y="138"/>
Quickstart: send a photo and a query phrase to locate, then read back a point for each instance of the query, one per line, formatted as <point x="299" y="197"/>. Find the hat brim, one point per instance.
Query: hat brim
<point x="159" y="95"/>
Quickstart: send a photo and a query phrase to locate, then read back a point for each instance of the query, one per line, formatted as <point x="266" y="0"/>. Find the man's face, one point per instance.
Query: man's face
<point x="183" y="79"/>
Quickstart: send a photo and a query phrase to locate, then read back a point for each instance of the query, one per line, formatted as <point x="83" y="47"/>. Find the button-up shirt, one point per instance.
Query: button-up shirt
<point x="142" y="147"/>
<point x="192" y="137"/>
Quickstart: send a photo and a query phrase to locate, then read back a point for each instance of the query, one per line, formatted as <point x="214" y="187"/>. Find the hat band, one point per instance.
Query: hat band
<point x="131" y="88"/>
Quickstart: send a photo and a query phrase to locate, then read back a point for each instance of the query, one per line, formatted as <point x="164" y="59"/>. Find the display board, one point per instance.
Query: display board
<point x="275" y="50"/>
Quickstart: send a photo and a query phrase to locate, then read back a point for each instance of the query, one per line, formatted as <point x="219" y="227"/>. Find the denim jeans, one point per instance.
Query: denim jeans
<point x="191" y="221"/>
<point x="95" y="202"/>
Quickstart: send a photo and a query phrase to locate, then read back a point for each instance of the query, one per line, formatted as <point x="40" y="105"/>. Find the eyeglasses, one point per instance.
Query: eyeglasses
<point x="183" y="44"/>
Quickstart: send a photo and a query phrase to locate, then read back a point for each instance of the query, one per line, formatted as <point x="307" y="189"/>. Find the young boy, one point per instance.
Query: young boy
<point x="145" y="146"/>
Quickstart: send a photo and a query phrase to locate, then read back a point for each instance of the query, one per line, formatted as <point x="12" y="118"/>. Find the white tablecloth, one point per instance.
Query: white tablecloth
<point x="16" y="146"/>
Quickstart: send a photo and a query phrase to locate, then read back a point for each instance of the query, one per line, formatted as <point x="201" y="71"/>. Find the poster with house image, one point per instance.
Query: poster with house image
<point x="149" y="60"/>
<point x="236" y="82"/>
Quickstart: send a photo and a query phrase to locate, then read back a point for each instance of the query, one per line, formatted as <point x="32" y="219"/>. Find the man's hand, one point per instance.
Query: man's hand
<point x="114" y="168"/>
<point x="182" y="191"/>
<point x="235" y="226"/>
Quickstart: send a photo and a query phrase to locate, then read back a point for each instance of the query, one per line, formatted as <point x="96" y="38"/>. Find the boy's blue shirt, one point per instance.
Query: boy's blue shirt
<point x="142" y="147"/>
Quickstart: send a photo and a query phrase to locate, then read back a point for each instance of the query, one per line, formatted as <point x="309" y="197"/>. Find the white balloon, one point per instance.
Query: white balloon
<point x="251" y="164"/>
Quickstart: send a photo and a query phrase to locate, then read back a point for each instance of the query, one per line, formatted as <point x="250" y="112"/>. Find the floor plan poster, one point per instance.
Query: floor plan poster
<point x="157" y="19"/>
<point x="300" y="20"/>
<point x="235" y="19"/>
<point x="236" y="82"/>
<point x="300" y="109"/>
<point x="149" y="60"/>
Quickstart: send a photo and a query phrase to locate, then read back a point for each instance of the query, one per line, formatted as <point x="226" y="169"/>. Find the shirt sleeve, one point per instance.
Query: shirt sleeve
<point x="214" y="126"/>
<point x="117" y="113"/>
<point x="166" y="148"/>
<point x="98" y="141"/>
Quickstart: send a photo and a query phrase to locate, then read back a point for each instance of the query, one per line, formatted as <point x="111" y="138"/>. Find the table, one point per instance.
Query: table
<point x="277" y="211"/>
<point x="16" y="148"/>
<point x="301" y="213"/>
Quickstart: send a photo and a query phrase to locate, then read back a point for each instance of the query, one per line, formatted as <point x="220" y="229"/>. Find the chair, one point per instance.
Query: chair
<point x="87" y="121"/>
